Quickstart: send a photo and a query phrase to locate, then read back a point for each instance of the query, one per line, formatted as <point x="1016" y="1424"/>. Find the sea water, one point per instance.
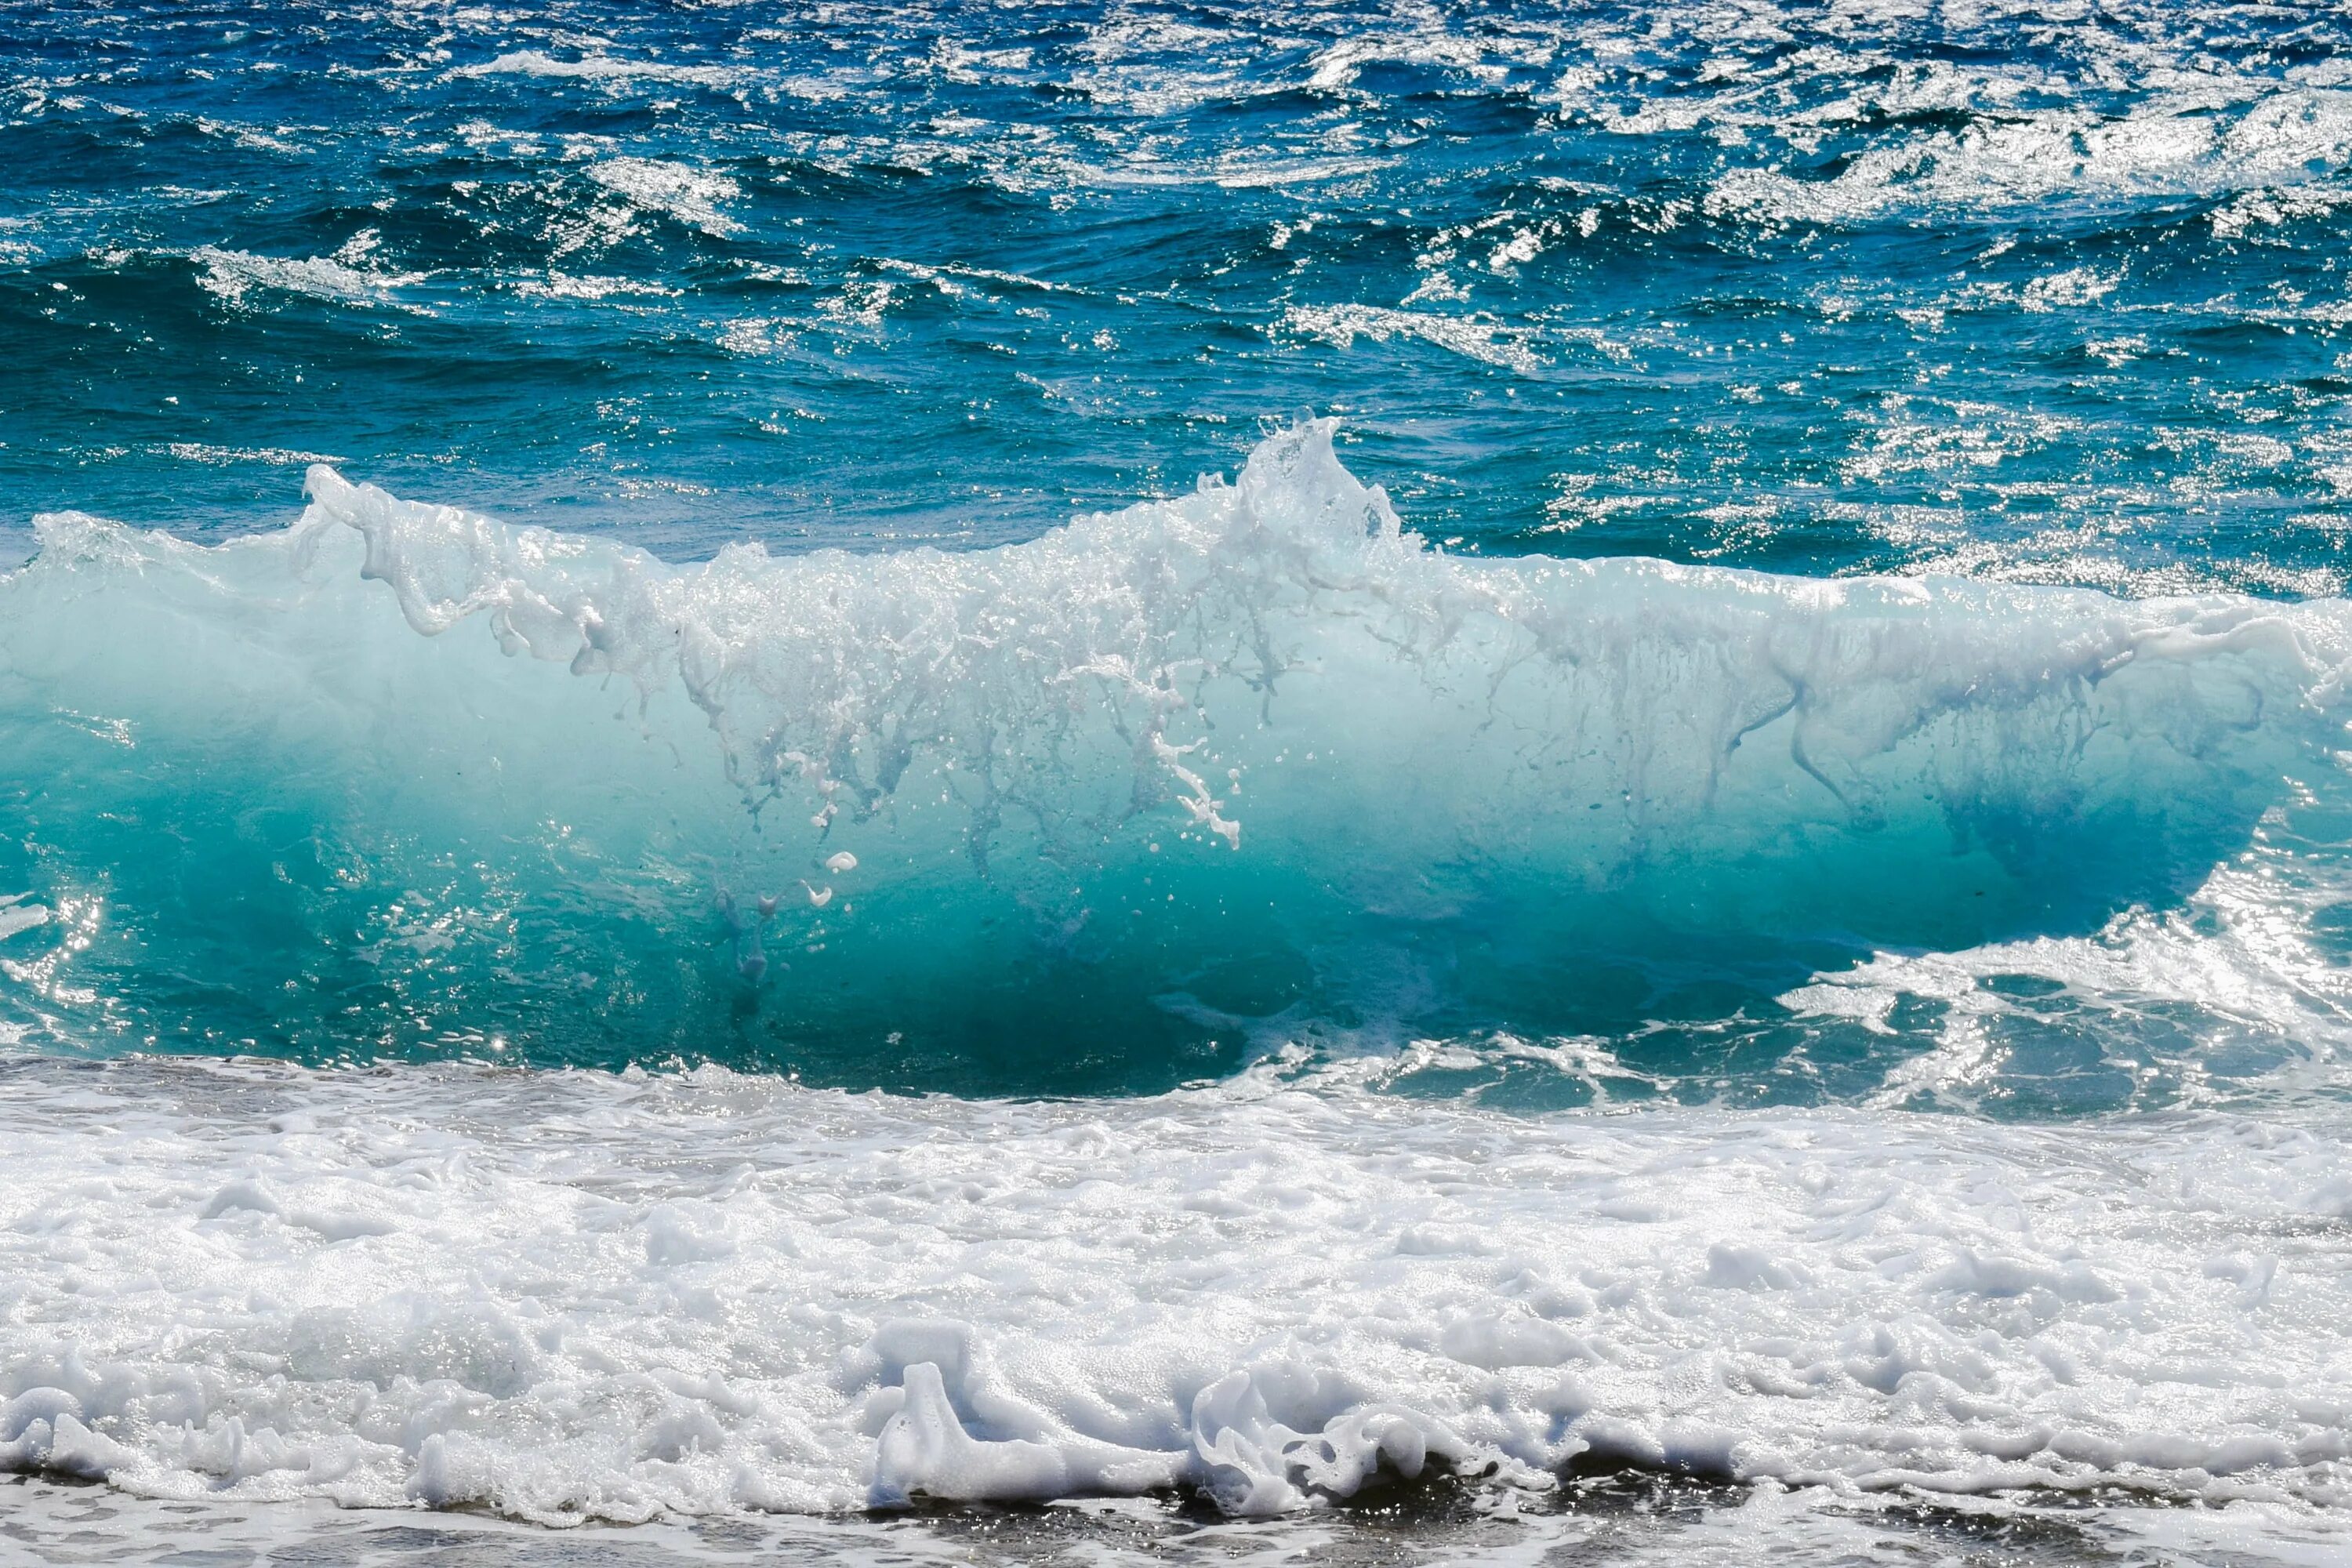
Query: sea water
<point x="951" y="782"/>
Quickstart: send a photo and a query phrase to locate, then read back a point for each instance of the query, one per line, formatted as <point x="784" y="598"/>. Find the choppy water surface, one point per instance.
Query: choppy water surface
<point x="1417" y="782"/>
<point x="2049" y="292"/>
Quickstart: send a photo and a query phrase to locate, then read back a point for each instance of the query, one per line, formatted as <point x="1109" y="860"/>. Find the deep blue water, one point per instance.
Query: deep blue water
<point x="2023" y="290"/>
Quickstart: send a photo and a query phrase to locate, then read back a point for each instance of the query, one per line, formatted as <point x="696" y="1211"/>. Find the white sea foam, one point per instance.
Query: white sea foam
<point x="345" y="278"/>
<point x="690" y="195"/>
<point x="2283" y="137"/>
<point x="608" y="68"/>
<point x="278" y="457"/>
<point x="17" y="913"/>
<point x="1243" y="170"/>
<point x="564" y="286"/>
<point x="1474" y="337"/>
<point x="576" y="1296"/>
<point x="2243" y="954"/>
<point x="1485" y="61"/>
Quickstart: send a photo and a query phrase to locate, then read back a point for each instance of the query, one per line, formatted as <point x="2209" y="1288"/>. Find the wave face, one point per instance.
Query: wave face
<point x="1195" y="778"/>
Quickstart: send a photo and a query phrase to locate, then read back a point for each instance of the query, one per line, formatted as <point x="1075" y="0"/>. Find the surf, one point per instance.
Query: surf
<point x="400" y="778"/>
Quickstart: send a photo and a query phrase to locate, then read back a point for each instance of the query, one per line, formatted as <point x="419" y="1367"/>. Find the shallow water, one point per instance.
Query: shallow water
<point x="889" y="782"/>
<point x="1606" y="1521"/>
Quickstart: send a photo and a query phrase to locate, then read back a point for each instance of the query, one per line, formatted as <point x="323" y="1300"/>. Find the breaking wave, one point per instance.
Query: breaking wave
<point x="1255" y="758"/>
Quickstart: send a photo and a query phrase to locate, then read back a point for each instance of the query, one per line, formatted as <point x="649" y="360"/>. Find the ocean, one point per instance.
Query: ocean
<point x="1195" y="782"/>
